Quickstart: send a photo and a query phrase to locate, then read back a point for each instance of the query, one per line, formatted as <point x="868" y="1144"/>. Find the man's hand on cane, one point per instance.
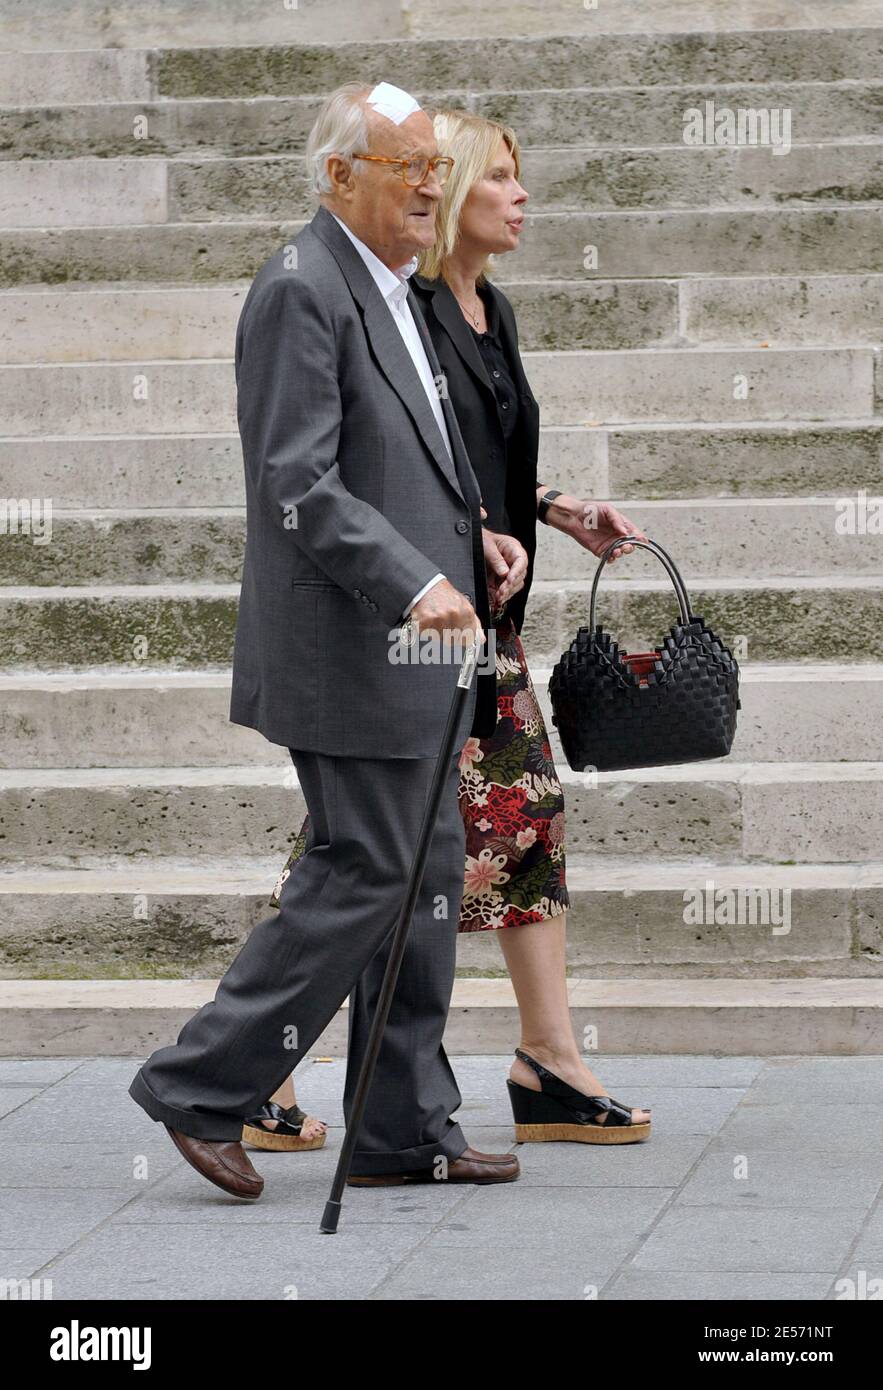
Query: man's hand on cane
<point x="444" y="609"/>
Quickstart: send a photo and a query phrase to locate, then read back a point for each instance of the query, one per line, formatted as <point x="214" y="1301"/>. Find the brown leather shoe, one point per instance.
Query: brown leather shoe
<point x="223" y="1161"/>
<point x="471" y="1166"/>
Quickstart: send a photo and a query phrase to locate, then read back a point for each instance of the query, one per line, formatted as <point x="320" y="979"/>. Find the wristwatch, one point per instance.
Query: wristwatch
<point x="546" y="501"/>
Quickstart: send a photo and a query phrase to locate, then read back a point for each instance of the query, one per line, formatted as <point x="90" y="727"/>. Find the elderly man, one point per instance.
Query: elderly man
<point x="363" y="511"/>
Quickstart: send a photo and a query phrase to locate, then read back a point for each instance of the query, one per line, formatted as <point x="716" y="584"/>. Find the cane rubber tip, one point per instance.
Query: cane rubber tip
<point x="330" y="1218"/>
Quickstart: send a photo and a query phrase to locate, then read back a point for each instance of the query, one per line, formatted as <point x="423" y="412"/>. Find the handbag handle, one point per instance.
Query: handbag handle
<point x="656" y="549"/>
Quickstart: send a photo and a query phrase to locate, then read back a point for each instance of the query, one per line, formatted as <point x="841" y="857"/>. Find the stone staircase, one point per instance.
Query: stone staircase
<point x="718" y="375"/>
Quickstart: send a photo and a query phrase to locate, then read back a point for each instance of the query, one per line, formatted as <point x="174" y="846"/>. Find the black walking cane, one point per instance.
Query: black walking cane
<point x="331" y="1214"/>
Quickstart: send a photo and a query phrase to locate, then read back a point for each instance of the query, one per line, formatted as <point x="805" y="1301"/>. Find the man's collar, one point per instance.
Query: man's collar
<point x="406" y="271"/>
<point x="387" y="281"/>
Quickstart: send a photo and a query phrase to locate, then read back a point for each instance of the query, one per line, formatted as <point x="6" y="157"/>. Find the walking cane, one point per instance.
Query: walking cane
<point x="331" y="1214"/>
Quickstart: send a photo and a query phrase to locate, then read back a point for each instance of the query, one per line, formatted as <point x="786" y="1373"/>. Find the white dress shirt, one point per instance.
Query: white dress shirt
<point x="393" y="285"/>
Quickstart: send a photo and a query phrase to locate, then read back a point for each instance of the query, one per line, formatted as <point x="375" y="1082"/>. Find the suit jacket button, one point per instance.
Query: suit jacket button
<point x="462" y="527"/>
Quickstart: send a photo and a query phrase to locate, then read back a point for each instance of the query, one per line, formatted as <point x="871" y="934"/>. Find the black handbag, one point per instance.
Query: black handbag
<point x="676" y="704"/>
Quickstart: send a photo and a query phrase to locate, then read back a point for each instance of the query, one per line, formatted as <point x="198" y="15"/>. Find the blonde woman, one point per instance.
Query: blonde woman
<point x="510" y="796"/>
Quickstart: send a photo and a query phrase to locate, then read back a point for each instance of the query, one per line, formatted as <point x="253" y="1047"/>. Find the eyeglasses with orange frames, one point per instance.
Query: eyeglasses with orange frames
<point x="415" y="171"/>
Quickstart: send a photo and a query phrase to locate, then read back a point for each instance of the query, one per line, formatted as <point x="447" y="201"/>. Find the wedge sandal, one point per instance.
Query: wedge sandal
<point x="559" y="1111"/>
<point x="287" y="1136"/>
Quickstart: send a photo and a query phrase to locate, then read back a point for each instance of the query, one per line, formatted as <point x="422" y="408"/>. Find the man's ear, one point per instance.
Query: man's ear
<point x="341" y="174"/>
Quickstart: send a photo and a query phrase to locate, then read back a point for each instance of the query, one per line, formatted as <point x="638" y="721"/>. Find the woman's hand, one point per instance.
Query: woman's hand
<point x="593" y="524"/>
<point x="505" y="561"/>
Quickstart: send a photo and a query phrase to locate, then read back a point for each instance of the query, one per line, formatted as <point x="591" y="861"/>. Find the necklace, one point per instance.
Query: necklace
<point x="476" y="315"/>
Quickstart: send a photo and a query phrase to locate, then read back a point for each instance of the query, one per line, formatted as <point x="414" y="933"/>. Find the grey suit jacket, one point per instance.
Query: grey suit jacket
<point x="353" y="504"/>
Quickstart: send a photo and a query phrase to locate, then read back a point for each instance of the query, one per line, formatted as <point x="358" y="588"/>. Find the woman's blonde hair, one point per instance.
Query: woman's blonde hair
<point x="472" y="142"/>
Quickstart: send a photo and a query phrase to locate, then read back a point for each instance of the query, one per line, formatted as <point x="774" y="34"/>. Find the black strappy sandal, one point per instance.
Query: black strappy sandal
<point x="286" y="1136"/>
<point x="559" y="1111"/>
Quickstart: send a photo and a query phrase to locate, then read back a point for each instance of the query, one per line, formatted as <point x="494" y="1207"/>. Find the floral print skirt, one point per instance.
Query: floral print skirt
<point x="513" y="807"/>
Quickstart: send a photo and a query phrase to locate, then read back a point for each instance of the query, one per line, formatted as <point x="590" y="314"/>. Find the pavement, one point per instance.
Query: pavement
<point x="762" y="1180"/>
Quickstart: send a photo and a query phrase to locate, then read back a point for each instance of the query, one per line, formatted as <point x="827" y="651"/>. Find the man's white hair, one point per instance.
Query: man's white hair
<point x="341" y="128"/>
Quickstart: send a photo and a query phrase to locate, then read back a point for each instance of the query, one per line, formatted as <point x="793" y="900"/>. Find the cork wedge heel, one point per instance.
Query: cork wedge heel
<point x="287" y="1137"/>
<point x="559" y="1112"/>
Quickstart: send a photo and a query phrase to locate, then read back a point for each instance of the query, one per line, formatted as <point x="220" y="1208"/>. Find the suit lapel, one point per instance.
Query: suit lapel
<point x="464" y="467"/>
<point x="529" y="406"/>
<point x="447" y="311"/>
<point x="387" y="344"/>
<point x="510" y="345"/>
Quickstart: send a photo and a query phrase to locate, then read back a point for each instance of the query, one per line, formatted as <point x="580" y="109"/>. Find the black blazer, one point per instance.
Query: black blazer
<point x="478" y="415"/>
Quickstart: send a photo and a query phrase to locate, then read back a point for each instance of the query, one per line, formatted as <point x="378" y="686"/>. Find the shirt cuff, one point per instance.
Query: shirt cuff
<point x="424" y="590"/>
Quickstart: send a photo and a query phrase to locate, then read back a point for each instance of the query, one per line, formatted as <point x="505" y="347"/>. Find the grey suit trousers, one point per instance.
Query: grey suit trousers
<point x="330" y="939"/>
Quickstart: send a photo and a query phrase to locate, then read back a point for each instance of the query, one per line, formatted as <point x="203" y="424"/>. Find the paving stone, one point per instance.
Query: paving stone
<point x="271" y="1259"/>
<point x="725" y="1239"/>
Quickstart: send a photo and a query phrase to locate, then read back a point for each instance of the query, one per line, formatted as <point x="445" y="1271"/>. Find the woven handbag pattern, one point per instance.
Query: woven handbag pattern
<point x="675" y="704"/>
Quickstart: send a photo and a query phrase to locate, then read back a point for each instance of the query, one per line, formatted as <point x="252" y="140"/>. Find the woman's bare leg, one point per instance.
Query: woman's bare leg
<point x="285" y="1097"/>
<point x="536" y="959"/>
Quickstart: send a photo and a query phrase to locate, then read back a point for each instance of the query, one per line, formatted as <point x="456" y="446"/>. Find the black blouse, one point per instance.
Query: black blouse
<point x="497" y="367"/>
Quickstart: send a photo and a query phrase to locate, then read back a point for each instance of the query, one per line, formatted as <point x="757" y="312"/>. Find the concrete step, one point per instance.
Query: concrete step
<point x="37" y="78"/>
<point x="795" y="813"/>
<point x="169" y="919"/>
<point x="96" y="68"/>
<point x="605" y="116"/>
<point x="835" y="1017"/>
<point x="147" y="23"/>
<point x="165" y="546"/>
<point x="836" y="240"/>
<point x="647" y="116"/>
<point x="728" y="241"/>
<point x="589" y="59"/>
<point x="217" y="190"/>
<point x="758" y="458"/>
<point x="480" y="18"/>
<point x="82" y="192"/>
<point x="810" y="713"/>
<point x="698" y="50"/>
<point x="137" y="470"/>
<point x="577" y="387"/>
<point x="665" y="177"/>
<point x="129" y="321"/>
<point x="737" y="537"/>
<point x="573" y="388"/>
<point x="123" y="322"/>
<point x="190" y="626"/>
<point x="816" y="310"/>
<point x="775" y="619"/>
